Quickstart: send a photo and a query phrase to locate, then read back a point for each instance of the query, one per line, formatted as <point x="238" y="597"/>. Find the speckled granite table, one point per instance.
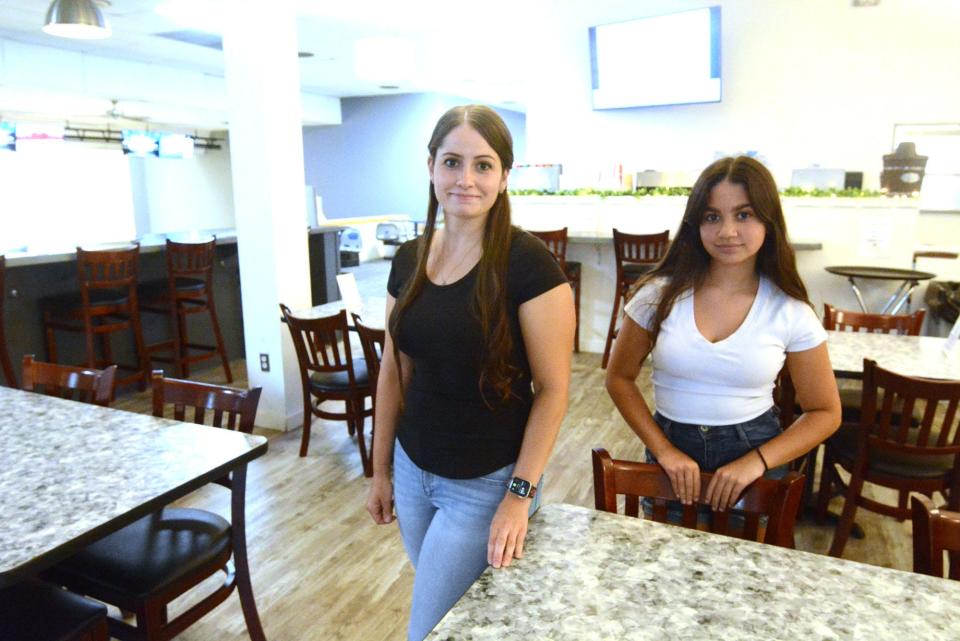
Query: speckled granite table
<point x="71" y="472"/>
<point x="592" y="576"/>
<point x="372" y="311"/>
<point x="907" y="355"/>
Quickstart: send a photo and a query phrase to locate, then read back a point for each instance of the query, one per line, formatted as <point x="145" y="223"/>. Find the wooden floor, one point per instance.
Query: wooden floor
<point x="323" y="570"/>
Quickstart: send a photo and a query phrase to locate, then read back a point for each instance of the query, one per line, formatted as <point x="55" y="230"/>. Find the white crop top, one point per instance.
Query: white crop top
<point x="732" y="380"/>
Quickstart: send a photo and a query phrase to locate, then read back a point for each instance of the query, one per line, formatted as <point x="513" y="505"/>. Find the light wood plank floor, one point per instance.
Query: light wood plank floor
<point x="323" y="570"/>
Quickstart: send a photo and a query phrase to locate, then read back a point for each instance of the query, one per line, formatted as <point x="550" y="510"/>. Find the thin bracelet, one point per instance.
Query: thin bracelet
<point x="766" y="468"/>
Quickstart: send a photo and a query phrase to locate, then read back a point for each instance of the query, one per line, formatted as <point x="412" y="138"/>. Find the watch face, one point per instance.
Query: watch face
<point x="519" y="486"/>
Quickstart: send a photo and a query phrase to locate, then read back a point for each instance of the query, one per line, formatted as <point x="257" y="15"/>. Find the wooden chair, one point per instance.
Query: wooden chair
<point x="33" y="610"/>
<point x="372" y="340"/>
<point x="328" y="372"/>
<point x="6" y="367"/>
<point x="187" y="290"/>
<point x="935" y="531"/>
<point x="779" y="500"/>
<point x="635" y="255"/>
<point x="842" y="320"/>
<point x="145" y="566"/>
<point x="947" y="255"/>
<point x="851" y="393"/>
<point x="888" y="449"/>
<point x="556" y="242"/>
<point x="106" y="304"/>
<point x="75" y="383"/>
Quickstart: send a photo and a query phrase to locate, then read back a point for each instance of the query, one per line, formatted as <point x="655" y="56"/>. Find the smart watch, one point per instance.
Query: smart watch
<point x="522" y="488"/>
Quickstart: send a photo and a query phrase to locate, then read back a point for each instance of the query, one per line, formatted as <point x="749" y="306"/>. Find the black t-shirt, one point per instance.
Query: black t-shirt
<point x="445" y="427"/>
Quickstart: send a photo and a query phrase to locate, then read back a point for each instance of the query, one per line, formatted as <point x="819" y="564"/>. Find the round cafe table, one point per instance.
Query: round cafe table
<point x="909" y="278"/>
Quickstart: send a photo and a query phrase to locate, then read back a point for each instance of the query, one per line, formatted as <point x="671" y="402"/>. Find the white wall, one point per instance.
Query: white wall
<point x="179" y="195"/>
<point x="57" y="195"/>
<point x="60" y="194"/>
<point x="811" y="81"/>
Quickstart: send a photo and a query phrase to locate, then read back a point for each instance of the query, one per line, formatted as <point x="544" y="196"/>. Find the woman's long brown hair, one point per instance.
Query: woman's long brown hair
<point x="687" y="262"/>
<point x="489" y="293"/>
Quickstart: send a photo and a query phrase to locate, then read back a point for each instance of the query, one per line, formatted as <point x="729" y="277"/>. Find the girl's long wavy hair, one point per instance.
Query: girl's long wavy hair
<point x="687" y="262"/>
<point x="489" y="303"/>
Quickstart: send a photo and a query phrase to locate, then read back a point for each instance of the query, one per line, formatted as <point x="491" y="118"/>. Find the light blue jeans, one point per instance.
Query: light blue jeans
<point x="445" y="525"/>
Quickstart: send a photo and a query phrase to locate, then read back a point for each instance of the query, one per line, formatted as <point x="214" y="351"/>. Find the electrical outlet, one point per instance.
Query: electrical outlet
<point x="264" y="362"/>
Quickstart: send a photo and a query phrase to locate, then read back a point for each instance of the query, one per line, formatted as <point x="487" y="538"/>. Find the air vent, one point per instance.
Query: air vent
<point x="190" y="36"/>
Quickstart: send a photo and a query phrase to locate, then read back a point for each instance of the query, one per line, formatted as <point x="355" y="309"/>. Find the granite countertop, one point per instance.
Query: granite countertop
<point x="371" y="311"/>
<point x="67" y="468"/>
<point x="592" y="576"/>
<point x="908" y="355"/>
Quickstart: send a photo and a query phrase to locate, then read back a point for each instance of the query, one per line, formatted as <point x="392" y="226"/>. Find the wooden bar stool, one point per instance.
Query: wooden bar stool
<point x="106" y="304"/>
<point x="187" y="289"/>
<point x="5" y="365"/>
<point x="556" y="242"/>
<point x="636" y="254"/>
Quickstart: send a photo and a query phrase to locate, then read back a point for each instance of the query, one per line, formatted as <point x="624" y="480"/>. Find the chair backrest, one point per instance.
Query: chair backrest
<point x="892" y="401"/>
<point x="237" y="406"/>
<point x="779" y="500"/>
<point x="843" y="320"/>
<point x="556" y="242"/>
<point x="230" y="408"/>
<point x="74" y="383"/>
<point x="935" y="531"/>
<point x="191" y="260"/>
<point x="643" y="249"/>
<point x="933" y="254"/>
<point x="785" y="397"/>
<point x="371" y="340"/>
<point x="115" y="269"/>
<point x="322" y="344"/>
<point x="6" y="367"/>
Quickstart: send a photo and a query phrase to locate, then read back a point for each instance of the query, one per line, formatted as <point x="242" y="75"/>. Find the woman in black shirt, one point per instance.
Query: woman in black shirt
<point x="475" y="372"/>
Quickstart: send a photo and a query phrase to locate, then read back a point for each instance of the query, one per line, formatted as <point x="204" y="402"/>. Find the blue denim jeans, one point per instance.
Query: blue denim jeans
<point x="713" y="446"/>
<point x="445" y="525"/>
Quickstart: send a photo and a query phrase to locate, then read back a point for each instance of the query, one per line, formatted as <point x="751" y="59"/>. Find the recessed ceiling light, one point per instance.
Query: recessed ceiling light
<point x="389" y="87"/>
<point x="304" y="54"/>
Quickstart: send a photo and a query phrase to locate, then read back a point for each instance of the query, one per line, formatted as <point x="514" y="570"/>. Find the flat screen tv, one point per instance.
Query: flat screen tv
<point x="140" y="143"/>
<point x="672" y="59"/>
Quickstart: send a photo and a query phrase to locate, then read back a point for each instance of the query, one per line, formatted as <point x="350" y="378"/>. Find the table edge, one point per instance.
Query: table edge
<point x="51" y="557"/>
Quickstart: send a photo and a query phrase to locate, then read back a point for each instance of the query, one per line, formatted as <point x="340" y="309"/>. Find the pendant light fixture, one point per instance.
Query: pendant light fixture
<point x="77" y="19"/>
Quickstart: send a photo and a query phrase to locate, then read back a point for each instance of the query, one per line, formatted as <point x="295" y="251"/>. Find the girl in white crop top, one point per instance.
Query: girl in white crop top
<point x="720" y="314"/>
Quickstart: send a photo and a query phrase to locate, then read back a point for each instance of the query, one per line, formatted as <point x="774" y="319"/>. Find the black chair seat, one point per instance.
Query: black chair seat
<point x="844" y="446"/>
<point x="36" y="611"/>
<point x="72" y="302"/>
<point x="633" y="271"/>
<point x="340" y="381"/>
<point x="147" y="556"/>
<point x="156" y="290"/>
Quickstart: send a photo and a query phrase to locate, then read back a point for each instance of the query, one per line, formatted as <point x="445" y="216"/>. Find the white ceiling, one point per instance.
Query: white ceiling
<point x="485" y="51"/>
